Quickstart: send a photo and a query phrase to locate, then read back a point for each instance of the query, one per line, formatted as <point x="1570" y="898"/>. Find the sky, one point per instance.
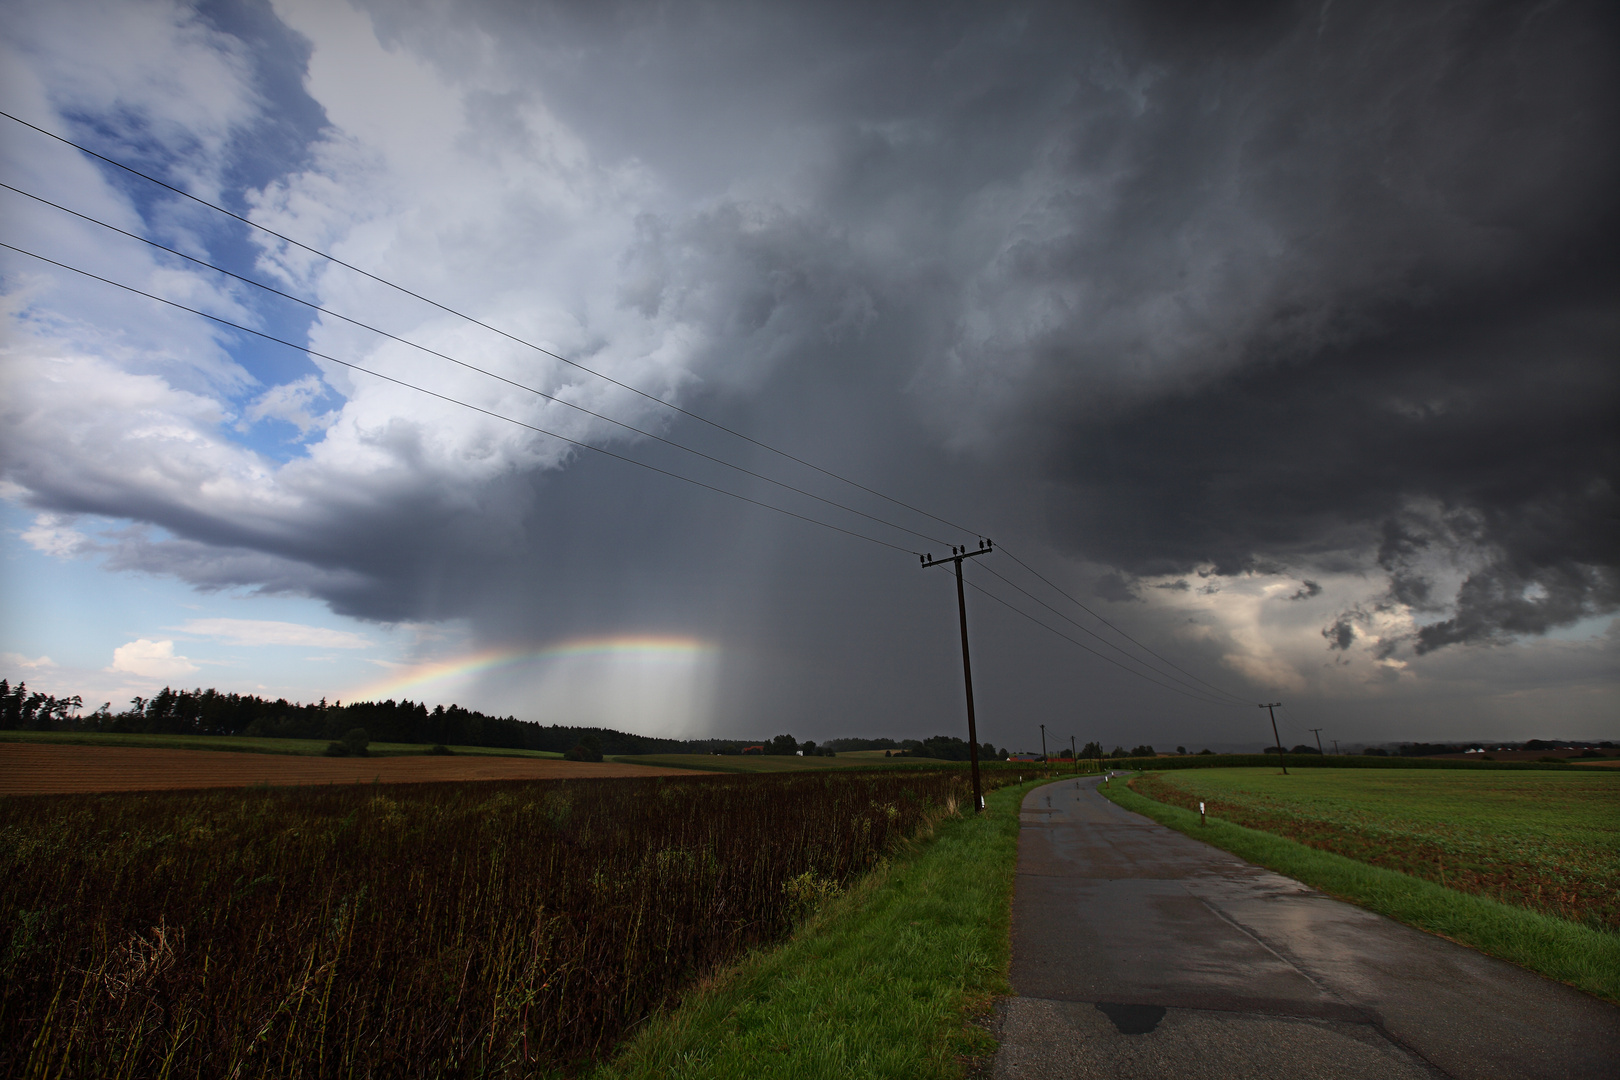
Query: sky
<point x="1272" y="345"/>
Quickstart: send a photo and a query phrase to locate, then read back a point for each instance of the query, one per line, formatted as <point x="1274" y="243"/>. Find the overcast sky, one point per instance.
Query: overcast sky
<point x="1280" y="336"/>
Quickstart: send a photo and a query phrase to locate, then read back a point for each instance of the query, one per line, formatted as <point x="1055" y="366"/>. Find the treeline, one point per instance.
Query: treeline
<point x="41" y="712"/>
<point x="214" y="712"/>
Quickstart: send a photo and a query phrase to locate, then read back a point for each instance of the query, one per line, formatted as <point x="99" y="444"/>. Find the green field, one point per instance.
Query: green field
<point x="244" y="744"/>
<point x="1546" y="841"/>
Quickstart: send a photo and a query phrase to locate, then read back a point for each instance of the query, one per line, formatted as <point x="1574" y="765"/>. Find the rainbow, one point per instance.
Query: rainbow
<point x="644" y="647"/>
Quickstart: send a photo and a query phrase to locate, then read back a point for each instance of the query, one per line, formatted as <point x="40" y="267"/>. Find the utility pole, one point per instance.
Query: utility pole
<point x="1318" y="733"/>
<point x="1075" y="754"/>
<point x="1335" y="747"/>
<point x="1271" y="707"/>
<point x="1043" y="742"/>
<point x="956" y="557"/>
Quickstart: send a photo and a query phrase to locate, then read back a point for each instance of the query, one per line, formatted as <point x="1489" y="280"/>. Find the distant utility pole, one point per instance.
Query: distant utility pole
<point x="956" y="556"/>
<point x="1335" y="747"/>
<point x="1043" y="742"/>
<point x="1271" y="707"/>
<point x="1318" y="733"/>
<point x="1075" y="754"/>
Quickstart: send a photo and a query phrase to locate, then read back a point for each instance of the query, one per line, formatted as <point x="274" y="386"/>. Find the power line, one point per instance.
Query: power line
<point x="590" y="371"/>
<point x="454" y="400"/>
<point x="1103" y="656"/>
<point x="588" y="446"/>
<point x="469" y="366"/>
<point x="477" y="322"/>
<point x="1099" y="637"/>
<point x="1117" y="630"/>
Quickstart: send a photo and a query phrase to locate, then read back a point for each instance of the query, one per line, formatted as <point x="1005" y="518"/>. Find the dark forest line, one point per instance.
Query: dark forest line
<point x="216" y="712"/>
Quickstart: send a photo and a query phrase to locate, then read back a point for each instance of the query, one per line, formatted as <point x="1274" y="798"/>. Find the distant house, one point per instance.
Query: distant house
<point x="753" y="749"/>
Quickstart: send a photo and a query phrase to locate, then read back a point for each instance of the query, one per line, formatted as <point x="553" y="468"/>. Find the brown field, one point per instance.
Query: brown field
<point x="1610" y="757"/>
<point x="53" y="769"/>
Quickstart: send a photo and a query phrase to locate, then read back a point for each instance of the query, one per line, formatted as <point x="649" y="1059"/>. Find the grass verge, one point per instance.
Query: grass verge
<point x="884" y="981"/>
<point x="1582" y="957"/>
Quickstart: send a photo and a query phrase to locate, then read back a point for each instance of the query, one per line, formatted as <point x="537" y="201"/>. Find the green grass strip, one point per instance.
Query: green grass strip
<point x="1585" y="958"/>
<point x="881" y="982"/>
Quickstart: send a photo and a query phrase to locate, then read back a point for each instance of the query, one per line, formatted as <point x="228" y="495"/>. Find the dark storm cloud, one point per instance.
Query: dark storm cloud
<point x="1341" y="634"/>
<point x="1195" y="288"/>
<point x="1424" y="371"/>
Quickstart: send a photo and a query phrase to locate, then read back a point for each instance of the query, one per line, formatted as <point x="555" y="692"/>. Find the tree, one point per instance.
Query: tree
<point x="355" y="741"/>
<point x="1181" y="749"/>
<point x="782" y="745"/>
<point x="588" y="749"/>
<point x="1143" y="751"/>
<point x="1118" y="752"/>
<point x="1092" y="749"/>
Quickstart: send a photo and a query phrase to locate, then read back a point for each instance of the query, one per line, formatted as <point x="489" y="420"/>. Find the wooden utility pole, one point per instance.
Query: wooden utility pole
<point x="956" y="557"/>
<point x="1075" y="754"/>
<point x="1043" y="742"/>
<point x="1271" y="707"/>
<point x="1318" y="733"/>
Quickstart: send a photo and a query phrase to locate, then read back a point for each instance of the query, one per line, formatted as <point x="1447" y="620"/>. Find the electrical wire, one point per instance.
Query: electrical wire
<point x="1115" y="629"/>
<point x="598" y="374"/>
<point x="456" y="401"/>
<point x="1105" y="641"/>
<point x="478" y="322"/>
<point x="1103" y="656"/>
<point x="468" y="366"/>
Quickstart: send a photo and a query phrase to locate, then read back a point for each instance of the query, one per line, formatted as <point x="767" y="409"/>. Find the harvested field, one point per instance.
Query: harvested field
<point x="52" y="769"/>
<point x="1610" y="757"/>
<point x="509" y="929"/>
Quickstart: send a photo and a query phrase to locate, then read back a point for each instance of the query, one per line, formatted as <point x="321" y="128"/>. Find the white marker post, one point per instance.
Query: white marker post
<point x="1201" y="820"/>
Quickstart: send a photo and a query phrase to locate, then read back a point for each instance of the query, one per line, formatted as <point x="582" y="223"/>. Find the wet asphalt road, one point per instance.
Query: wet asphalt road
<point x="1138" y="952"/>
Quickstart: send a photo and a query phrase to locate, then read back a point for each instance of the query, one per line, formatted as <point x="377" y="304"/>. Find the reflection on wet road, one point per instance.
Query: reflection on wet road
<point x="1138" y="951"/>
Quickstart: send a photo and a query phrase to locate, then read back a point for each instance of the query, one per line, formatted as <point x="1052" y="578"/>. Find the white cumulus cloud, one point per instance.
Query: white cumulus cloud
<point x="150" y="659"/>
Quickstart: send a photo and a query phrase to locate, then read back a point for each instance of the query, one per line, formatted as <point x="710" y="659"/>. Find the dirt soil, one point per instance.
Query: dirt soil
<point x="1610" y="757"/>
<point x="48" y="769"/>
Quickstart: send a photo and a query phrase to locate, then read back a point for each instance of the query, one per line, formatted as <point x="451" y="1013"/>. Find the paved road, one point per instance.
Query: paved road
<point x="1138" y="952"/>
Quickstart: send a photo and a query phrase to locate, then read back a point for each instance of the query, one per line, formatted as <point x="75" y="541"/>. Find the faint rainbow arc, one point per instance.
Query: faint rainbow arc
<point x="639" y="646"/>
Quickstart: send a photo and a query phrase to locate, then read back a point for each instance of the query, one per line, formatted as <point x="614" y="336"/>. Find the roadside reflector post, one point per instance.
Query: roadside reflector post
<point x="1201" y="820"/>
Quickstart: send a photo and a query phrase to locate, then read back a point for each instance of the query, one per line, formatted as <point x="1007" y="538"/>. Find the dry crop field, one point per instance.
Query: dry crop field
<point x="1548" y="841"/>
<point x="450" y="929"/>
<point x="50" y="768"/>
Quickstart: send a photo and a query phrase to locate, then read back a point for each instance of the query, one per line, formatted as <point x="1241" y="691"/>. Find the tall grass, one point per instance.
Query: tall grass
<point x="489" y="929"/>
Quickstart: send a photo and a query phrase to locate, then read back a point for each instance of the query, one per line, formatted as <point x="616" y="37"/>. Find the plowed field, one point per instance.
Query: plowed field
<point x="46" y="769"/>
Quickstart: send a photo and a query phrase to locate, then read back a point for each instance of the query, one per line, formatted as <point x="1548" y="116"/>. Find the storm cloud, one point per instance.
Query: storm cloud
<point x="1211" y="304"/>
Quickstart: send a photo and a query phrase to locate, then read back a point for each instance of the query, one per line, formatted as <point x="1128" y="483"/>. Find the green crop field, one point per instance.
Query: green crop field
<point x="244" y="744"/>
<point x="1546" y="841"/>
